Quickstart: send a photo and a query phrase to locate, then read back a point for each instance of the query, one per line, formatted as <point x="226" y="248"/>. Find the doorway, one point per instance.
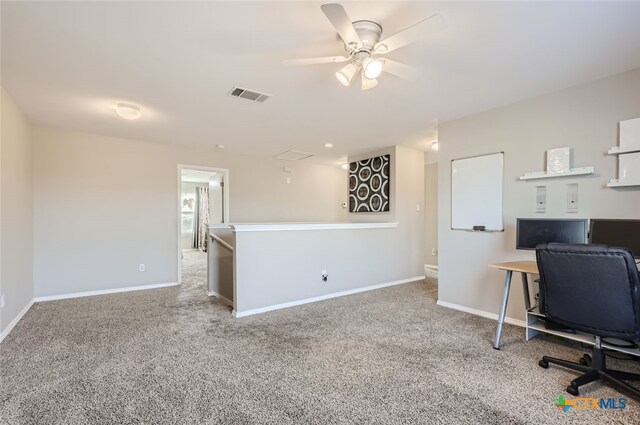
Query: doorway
<point x="202" y="200"/>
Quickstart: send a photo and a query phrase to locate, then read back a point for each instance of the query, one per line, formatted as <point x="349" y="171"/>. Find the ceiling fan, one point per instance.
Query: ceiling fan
<point x="363" y="47"/>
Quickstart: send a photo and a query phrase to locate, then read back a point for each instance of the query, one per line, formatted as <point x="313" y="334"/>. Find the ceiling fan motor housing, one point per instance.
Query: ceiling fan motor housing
<point x="369" y="33"/>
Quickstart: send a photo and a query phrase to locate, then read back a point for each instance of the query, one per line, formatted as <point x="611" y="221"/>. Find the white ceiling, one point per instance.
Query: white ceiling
<point x="66" y="64"/>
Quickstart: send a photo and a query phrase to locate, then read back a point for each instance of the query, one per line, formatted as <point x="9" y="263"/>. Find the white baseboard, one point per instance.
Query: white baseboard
<point x="222" y="299"/>
<point x="323" y="297"/>
<point x="431" y="266"/>
<point x="15" y="321"/>
<point x="482" y="313"/>
<point x="103" y="292"/>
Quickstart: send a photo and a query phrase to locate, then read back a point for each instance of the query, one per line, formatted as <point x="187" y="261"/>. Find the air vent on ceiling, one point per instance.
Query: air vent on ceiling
<point x="294" y="155"/>
<point x="253" y="96"/>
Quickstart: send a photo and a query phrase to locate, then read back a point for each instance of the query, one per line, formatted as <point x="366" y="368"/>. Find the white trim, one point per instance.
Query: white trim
<point x="222" y="299"/>
<point x="323" y="297"/>
<point x="15" y="321"/>
<point x="431" y="266"/>
<point x="493" y="316"/>
<point x="103" y="292"/>
<point x="276" y="227"/>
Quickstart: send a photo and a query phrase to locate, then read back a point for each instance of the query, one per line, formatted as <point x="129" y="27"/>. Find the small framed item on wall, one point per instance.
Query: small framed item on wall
<point x="369" y="184"/>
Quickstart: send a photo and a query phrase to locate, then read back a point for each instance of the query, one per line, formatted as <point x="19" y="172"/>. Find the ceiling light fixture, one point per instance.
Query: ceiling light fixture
<point x="368" y="84"/>
<point x="346" y="74"/>
<point x="372" y="68"/>
<point x="128" y="111"/>
<point x="328" y="145"/>
<point x="435" y="145"/>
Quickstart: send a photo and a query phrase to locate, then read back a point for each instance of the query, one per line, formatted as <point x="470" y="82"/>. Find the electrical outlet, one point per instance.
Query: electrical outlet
<point x="434" y="251"/>
<point x="325" y="276"/>
<point x="2" y="301"/>
<point x="141" y="267"/>
<point x="418" y="207"/>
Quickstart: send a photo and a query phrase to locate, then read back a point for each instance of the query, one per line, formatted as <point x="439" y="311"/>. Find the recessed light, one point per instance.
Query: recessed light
<point x="328" y="145"/>
<point x="128" y="111"/>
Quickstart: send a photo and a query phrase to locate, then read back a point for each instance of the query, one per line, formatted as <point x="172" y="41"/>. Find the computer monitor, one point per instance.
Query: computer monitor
<point x="620" y="233"/>
<point x="533" y="231"/>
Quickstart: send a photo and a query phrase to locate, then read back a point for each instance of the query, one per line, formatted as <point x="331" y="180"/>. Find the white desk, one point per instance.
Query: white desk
<point x="524" y="267"/>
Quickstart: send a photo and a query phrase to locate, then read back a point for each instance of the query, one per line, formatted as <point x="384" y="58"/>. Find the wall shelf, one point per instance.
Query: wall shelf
<point x="618" y="183"/>
<point x="616" y="150"/>
<point x="545" y="175"/>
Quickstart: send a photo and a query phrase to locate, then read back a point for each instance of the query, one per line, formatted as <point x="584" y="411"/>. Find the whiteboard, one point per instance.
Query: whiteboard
<point x="476" y="192"/>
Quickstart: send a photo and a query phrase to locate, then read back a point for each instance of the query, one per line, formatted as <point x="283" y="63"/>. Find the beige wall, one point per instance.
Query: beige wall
<point x="16" y="253"/>
<point x="431" y="213"/>
<point x="584" y="118"/>
<point x="93" y="228"/>
<point x="407" y="193"/>
<point x="285" y="266"/>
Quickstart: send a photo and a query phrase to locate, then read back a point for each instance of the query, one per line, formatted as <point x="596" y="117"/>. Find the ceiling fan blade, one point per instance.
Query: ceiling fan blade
<point x="415" y="32"/>
<point x="401" y="70"/>
<point x="342" y="23"/>
<point x="367" y="83"/>
<point x="313" y="61"/>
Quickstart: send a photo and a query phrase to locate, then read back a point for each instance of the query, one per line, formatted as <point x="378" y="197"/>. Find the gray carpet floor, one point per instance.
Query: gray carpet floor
<point x="194" y="267"/>
<point x="175" y="356"/>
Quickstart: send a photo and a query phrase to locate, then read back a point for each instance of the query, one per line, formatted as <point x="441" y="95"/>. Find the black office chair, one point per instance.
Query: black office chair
<point x="593" y="289"/>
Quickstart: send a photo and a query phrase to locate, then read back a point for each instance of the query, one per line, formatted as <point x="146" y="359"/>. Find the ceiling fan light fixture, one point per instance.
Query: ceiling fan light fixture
<point x="372" y="68"/>
<point x="346" y="74"/>
<point x="368" y="84"/>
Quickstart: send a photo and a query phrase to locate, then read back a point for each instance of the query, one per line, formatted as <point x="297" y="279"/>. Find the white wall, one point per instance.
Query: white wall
<point x="584" y="118"/>
<point x="431" y="213"/>
<point x="93" y="228"/>
<point x="16" y="253"/>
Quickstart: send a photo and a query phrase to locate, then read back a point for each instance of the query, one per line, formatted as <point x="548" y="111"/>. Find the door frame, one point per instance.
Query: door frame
<point x="225" y="200"/>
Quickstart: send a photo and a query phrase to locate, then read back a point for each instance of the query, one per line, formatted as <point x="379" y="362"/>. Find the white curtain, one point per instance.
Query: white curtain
<point x="201" y="222"/>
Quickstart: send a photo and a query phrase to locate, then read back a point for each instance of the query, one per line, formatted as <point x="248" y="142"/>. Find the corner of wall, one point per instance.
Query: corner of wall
<point x="16" y="213"/>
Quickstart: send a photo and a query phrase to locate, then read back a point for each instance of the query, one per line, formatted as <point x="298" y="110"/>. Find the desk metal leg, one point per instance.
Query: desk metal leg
<point x="525" y="291"/>
<point x="503" y="310"/>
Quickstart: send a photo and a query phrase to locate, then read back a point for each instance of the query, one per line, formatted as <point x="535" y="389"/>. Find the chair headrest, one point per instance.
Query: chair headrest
<point x="576" y="247"/>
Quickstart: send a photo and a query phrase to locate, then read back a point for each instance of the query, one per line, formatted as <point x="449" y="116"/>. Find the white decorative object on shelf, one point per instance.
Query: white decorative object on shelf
<point x="630" y="134"/>
<point x="558" y="160"/>
<point x="545" y="175"/>
<point x="628" y="153"/>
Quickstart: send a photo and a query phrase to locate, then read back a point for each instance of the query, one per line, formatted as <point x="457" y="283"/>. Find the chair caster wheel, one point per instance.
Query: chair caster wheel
<point x="583" y="361"/>
<point x="543" y="364"/>
<point x="573" y="390"/>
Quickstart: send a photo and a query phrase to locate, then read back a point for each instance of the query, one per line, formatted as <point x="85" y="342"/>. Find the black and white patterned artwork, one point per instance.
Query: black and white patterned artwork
<point x="369" y="184"/>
